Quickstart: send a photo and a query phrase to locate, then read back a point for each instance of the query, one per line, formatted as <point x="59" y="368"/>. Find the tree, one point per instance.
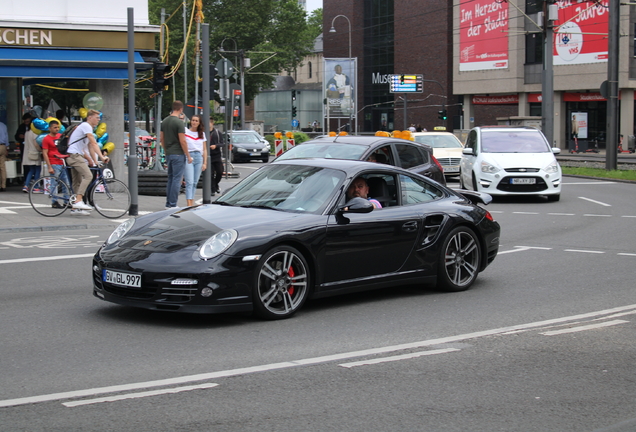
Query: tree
<point x="274" y="34"/>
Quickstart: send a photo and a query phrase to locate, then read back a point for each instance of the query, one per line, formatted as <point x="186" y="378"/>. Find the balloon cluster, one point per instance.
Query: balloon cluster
<point x="40" y="127"/>
<point x="94" y="101"/>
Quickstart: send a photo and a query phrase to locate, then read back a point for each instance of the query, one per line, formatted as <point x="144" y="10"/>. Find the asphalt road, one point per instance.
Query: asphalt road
<point x="544" y="341"/>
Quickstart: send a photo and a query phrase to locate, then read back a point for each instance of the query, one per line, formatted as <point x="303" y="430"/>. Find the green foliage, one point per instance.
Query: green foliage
<point x="601" y="173"/>
<point x="300" y="137"/>
<point x="261" y="29"/>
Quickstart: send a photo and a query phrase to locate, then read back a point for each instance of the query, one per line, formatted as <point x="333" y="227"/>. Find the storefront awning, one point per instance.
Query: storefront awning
<point x="30" y="63"/>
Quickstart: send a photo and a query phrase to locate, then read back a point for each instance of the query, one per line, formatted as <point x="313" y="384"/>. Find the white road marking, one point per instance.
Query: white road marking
<point x="52" y="258"/>
<point x="303" y="362"/>
<point x="522" y="248"/>
<point x="597" y="215"/>
<point x="530" y="213"/>
<point x="626" y="254"/>
<point x="583" y="251"/>
<point x="561" y="214"/>
<point x="596" y="202"/>
<point x="139" y="395"/>
<point x="628" y="216"/>
<point x="590" y="183"/>
<point x="584" y="328"/>
<point x="397" y="358"/>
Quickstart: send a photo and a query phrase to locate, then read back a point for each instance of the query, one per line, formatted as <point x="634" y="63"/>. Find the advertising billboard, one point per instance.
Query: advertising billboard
<point x="483" y="35"/>
<point x="339" y="88"/>
<point x="580" y="34"/>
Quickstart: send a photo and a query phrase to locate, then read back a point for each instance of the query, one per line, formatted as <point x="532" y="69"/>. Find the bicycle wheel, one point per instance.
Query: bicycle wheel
<point x="46" y="201"/>
<point x="111" y="198"/>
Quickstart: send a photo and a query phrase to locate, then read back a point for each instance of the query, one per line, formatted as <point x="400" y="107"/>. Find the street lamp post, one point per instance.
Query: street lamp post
<point x="351" y="71"/>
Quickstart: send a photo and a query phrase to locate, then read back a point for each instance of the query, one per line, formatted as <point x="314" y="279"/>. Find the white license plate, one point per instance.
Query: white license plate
<point x="255" y="154"/>
<point x="451" y="169"/>
<point x="130" y="280"/>
<point x="519" y="181"/>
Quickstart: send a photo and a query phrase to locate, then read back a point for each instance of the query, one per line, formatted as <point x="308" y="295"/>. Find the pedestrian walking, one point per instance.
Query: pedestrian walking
<point x="176" y="151"/>
<point x="198" y="150"/>
<point x="4" y="149"/>
<point x="216" y="157"/>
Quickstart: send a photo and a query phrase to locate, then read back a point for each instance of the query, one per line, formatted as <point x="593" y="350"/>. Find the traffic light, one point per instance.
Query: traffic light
<point x="293" y="92"/>
<point x="294" y="111"/>
<point x="158" y="80"/>
<point x="402" y="79"/>
<point x="442" y="115"/>
<point x="213" y="79"/>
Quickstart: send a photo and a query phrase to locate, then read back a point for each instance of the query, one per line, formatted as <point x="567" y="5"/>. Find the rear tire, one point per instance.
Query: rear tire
<point x="111" y="198"/>
<point x="43" y="203"/>
<point x="459" y="260"/>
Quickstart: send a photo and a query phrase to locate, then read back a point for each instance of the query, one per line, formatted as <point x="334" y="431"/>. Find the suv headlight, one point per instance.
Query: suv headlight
<point x="552" y="168"/>
<point x="489" y="168"/>
<point x="217" y="244"/>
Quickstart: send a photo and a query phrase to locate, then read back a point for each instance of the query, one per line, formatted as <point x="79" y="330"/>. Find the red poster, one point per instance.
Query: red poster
<point x="483" y="35"/>
<point x="580" y="34"/>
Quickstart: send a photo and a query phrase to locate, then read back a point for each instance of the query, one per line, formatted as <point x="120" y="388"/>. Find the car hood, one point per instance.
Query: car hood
<point x="191" y="226"/>
<point x="519" y="160"/>
<point x="249" y="145"/>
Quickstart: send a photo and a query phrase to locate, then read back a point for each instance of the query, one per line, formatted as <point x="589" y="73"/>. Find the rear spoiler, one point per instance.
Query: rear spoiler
<point x="474" y="196"/>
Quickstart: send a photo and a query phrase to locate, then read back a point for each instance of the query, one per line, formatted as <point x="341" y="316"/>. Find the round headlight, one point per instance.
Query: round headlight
<point x="120" y="231"/>
<point x="217" y="244"/>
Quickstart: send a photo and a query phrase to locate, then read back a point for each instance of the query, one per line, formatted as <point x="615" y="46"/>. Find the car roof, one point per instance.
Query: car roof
<point x="346" y="165"/>
<point x="360" y="140"/>
<point x="508" y="127"/>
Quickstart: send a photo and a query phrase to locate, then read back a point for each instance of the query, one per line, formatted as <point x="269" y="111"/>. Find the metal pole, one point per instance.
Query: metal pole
<point x="611" y="145"/>
<point x="196" y="71"/>
<point x="242" y="72"/>
<point x="351" y="73"/>
<point x="205" y="46"/>
<point x="547" y="89"/>
<point x="185" y="55"/>
<point x="132" y="141"/>
<point x="158" y="148"/>
<point x="404" y="101"/>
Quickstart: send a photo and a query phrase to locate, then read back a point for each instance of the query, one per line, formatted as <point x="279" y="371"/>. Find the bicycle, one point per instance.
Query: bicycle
<point x="109" y="196"/>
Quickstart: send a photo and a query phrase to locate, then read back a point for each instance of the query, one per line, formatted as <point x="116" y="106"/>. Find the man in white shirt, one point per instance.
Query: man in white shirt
<point x="82" y="146"/>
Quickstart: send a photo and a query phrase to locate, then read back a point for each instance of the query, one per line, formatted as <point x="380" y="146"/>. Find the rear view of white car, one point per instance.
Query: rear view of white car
<point x="504" y="160"/>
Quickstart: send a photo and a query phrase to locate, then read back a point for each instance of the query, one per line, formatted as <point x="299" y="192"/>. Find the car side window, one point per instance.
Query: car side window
<point x="416" y="191"/>
<point x="471" y="141"/>
<point x="410" y="155"/>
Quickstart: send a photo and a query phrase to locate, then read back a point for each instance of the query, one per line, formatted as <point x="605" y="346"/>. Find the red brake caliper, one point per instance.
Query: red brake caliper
<point x="291" y="274"/>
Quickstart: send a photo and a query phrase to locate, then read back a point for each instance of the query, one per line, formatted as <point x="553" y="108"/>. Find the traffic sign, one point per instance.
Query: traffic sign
<point x="295" y="123"/>
<point x="404" y="83"/>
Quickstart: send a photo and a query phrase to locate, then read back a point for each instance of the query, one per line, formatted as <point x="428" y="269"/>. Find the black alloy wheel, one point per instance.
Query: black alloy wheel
<point x="282" y="283"/>
<point x="459" y="260"/>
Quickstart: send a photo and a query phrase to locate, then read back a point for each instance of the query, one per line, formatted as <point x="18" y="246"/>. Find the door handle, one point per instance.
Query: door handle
<point x="409" y="226"/>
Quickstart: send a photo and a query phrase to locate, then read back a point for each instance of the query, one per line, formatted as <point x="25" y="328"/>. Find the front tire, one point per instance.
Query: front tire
<point x="282" y="283"/>
<point x="459" y="260"/>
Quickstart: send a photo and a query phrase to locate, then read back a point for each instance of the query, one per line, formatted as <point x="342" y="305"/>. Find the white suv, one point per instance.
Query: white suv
<point x="504" y="160"/>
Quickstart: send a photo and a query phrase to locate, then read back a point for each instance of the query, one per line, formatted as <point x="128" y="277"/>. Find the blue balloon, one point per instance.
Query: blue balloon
<point x="40" y="138"/>
<point x="103" y="139"/>
<point x="41" y="124"/>
<point x="62" y="128"/>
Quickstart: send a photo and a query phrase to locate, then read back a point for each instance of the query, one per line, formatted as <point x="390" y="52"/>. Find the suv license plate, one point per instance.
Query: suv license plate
<point x="130" y="280"/>
<point x="451" y="169"/>
<point x="519" y="181"/>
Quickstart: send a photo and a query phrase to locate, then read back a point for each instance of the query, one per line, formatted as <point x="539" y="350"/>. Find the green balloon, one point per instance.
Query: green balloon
<point x="93" y="101"/>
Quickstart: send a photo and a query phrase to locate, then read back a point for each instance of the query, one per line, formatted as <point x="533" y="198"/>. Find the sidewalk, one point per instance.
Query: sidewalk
<point x="17" y="215"/>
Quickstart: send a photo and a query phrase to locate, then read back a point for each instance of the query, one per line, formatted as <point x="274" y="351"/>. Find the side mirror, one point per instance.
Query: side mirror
<point x="468" y="151"/>
<point x="556" y="150"/>
<point x="357" y="205"/>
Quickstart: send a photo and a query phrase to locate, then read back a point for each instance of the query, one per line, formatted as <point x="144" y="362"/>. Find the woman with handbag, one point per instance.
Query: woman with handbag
<point x="32" y="160"/>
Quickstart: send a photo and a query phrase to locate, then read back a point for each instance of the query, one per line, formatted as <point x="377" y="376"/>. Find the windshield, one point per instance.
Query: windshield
<point x="246" y="138"/>
<point x="513" y="142"/>
<point x="325" y="150"/>
<point x="438" y="141"/>
<point x="299" y="189"/>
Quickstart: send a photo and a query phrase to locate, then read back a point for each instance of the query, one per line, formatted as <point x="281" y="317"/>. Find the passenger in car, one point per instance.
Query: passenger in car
<point x="360" y="188"/>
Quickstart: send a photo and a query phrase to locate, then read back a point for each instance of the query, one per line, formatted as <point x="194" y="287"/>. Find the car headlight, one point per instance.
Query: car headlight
<point x="120" y="231"/>
<point x="552" y="168"/>
<point x="489" y="168"/>
<point x="241" y="150"/>
<point x="218" y="243"/>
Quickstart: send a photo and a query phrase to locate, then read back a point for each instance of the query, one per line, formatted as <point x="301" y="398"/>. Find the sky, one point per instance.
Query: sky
<point x="313" y="4"/>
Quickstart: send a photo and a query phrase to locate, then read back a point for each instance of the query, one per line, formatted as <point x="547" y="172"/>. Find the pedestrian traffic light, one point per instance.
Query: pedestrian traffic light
<point x="294" y="111"/>
<point x="159" y="81"/>
<point x="442" y="115"/>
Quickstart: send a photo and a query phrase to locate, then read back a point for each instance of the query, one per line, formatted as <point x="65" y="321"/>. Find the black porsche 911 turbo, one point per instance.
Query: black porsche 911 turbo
<point x="295" y="230"/>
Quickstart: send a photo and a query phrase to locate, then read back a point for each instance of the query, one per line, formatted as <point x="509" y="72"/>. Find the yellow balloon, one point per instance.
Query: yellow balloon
<point x="109" y="147"/>
<point x="83" y="112"/>
<point x="101" y="130"/>
<point x="36" y="130"/>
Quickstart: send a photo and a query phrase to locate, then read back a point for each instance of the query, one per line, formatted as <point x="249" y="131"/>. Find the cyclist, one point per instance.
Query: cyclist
<point x="53" y="160"/>
<point x="82" y="147"/>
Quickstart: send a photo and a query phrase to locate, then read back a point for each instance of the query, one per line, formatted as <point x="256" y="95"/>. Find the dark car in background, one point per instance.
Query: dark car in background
<point x="406" y="154"/>
<point x="248" y="145"/>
